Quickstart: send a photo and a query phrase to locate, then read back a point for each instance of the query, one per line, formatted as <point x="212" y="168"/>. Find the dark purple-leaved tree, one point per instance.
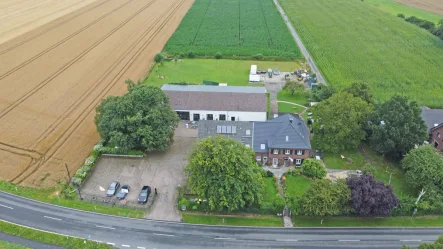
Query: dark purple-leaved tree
<point x="371" y="198"/>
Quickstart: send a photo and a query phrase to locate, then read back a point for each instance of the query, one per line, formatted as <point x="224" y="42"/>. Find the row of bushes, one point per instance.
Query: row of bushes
<point x="168" y="57"/>
<point x="428" y="25"/>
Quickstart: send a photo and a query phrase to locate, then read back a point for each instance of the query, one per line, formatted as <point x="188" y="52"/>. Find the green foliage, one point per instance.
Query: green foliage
<point x="397" y="126"/>
<point x="322" y="92"/>
<point x="218" y="55"/>
<point x="371" y="45"/>
<point x="438" y="244"/>
<point x="234" y="28"/>
<point x="158" y="58"/>
<point x="401" y="15"/>
<point x="313" y="168"/>
<point x="294" y="86"/>
<point x="361" y="90"/>
<point x="191" y="55"/>
<point x="368" y="169"/>
<point x="257" y="57"/>
<point x="325" y="198"/>
<point x="141" y="119"/>
<point x="224" y="172"/>
<point x="424" y="167"/>
<point x="339" y="122"/>
<point x="268" y="104"/>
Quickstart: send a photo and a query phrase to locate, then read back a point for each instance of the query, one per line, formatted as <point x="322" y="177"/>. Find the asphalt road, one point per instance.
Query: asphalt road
<point x="143" y="234"/>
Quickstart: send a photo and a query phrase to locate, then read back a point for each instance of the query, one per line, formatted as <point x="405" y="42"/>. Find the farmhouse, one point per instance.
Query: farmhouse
<point x="281" y="141"/>
<point x="225" y="103"/>
<point x="434" y="121"/>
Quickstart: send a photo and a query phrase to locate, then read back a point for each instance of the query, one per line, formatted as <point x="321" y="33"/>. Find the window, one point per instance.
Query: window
<point x="262" y="146"/>
<point x="287" y="152"/>
<point x="248" y="132"/>
<point x="232" y="118"/>
<point x="298" y="161"/>
<point x="247" y="145"/>
<point x="210" y="117"/>
<point x="265" y="159"/>
<point x="258" y="158"/>
<point x="222" y="117"/>
<point x="438" y="135"/>
<point x="299" y="152"/>
<point x="275" y="152"/>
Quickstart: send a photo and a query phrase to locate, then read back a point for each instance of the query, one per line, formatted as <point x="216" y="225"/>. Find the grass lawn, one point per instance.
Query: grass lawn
<point x="262" y="220"/>
<point x="270" y="190"/>
<point x="233" y="72"/>
<point x="396" y="8"/>
<point x="298" y="97"/>
<point x="7" y="245"/>
<point x="296" y="186"/>
<point x="49" y="238"/>
<point x="49" y="196"/>
<point x="334" y="161"/>
<point x="425" y="221"/>
<point x="285" y="107"/>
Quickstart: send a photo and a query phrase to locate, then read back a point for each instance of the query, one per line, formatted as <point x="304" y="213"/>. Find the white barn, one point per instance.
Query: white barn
<point x="231" y="103"/>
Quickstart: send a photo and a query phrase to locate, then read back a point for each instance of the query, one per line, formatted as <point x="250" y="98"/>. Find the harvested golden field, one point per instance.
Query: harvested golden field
<point x="433" y="6"/>
<point x="53" y="77"/>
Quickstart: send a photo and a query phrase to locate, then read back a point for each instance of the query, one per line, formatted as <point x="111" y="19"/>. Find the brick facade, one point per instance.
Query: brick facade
<point x="436" y="138"/>
<point x="282" y="158"/>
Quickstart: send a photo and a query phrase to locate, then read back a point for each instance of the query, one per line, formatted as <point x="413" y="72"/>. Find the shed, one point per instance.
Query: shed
<point x="253" y="70"/>
<point x="254" y="78"/>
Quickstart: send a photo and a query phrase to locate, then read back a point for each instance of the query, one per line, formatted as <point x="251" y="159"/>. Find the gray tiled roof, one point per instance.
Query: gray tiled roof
<point x="217" y="101"/>
<point x="273" y="134"/>
<point x="207" y="128"/>
<point x="219" y="89"/>
<point x="432" y="117"/>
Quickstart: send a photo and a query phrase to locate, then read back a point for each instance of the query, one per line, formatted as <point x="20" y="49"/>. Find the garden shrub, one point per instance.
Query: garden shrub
<point x="313" y="168"/>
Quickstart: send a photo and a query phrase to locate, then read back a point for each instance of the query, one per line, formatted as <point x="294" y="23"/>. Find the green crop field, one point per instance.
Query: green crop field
<point x="355" y="41"/>
<point x="233" y="28"/>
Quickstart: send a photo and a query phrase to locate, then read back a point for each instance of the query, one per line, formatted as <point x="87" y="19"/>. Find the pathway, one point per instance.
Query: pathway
<point x="300" y="44"/>
<point x="363" y="152"/>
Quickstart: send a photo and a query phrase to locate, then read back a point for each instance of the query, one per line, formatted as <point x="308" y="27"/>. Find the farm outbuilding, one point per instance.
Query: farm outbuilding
<point x="230" y="103"/>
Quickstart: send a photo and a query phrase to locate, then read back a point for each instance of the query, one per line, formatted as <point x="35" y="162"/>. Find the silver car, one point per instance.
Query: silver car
<point x="112" y="189"/>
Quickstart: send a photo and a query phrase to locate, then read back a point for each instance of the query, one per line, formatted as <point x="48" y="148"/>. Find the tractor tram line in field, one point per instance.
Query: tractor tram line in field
<point x="114" y="81"/>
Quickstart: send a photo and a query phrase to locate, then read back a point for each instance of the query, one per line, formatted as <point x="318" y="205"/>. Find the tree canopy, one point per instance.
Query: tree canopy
<point x="438" y="244"/>
<point x="322" y="92"/>
<point x="340" y="122"/>
<point x="397" y="126"/>
<point x="325" y="197"/>
<point x="313" y="168"/>
<point x="140" y="119"/>
<point x="424" y="167"/>
<point x="361" y="90"/>
<point x="294" y="86"/>
<point x="371" y="198"/>
<point x="224" y="172"/>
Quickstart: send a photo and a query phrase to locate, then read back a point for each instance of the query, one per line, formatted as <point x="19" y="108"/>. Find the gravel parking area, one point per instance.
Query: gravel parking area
<point x="163" y="171"/>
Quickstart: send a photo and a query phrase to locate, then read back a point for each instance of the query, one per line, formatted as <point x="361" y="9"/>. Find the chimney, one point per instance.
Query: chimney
<point x="287" y="138"/>
<point x="290" y="120"/>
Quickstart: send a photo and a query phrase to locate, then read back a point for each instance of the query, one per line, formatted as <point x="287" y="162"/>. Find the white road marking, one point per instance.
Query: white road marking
<point x="139" y="247"/>
<point x="349" y="240"/>
<point x="287" y="240"/>
<point x="6" y="206"/>
<point x="225" y="238"/>
<point x="162" y="234"/>
<point x="411" y="240"/>
<point x="126" y="245"/>
<point x="105" y="227"/>
<point x="109" y="243"/>
<point x="98" y="241"/>
<point x="52" y="218"/>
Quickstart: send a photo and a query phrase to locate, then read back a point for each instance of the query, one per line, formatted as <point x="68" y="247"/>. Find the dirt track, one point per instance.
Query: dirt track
<point x="434" y="6"/>
<point x="52" y="77"/>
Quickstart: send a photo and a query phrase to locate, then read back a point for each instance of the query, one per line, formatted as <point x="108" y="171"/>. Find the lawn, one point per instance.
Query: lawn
<point x="270" y="190"/>
<point x="298" y="97"/>
<point x="395" y="8"/>
<point x="296" y="186"/>
<point x="49" y="196"/>
<point x="285" y="107"/>
<point x="425" y="221"/>
<point x="232" y="220"/>
<point x="334" y="161"/>
<point x="233" y="72"/>
<point x="233" y="28"/>
<point x="353" y="41"/>
<point x="7" y="245"/>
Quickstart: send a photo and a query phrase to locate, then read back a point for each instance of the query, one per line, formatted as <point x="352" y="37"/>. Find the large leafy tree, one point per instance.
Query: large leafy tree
<point x="424" y="167"/>
<point x="293" y="87"/>
<point x="313" y="168"/>
<point x="224" y="172"/>
<point x="325" y="198"/>
<point x="141" y="119"/>
<point x="397" y="126"/>
<point x="322" y="92"/>
<point x="340" y="121"/>
<point x="371" y="198"/>
<point x="362" y="90"/>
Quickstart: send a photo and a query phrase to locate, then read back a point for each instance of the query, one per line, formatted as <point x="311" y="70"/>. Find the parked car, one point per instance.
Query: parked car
<point x="276" y="71"/>
<point x="123" y="192"/>
<point x="112" y="189"/>
<point x="144" y="194"/>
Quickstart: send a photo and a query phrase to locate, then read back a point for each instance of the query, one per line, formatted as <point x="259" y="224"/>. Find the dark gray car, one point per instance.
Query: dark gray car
<point x="123" y="192"/>
<point x="144" y="194"/>
<point x="112" y="189"/>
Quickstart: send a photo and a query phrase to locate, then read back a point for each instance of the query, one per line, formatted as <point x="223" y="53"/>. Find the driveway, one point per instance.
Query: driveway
<point x="161" y="170"/>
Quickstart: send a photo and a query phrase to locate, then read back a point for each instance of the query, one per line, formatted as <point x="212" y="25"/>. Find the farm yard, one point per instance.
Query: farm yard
<point x="353" y="41"/>
<point x="52" y="78"/>
<point x="233" y="28"/>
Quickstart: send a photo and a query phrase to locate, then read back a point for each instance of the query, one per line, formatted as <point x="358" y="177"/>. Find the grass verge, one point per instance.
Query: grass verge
<point x="49" y="196"/>
<point x="49" y="238"/>
<point x="233" y="72"/>
<point x="423" y="221"/>
<point x="231" y="220"/>
<point x="285" y="107"/>
<point x="7" y="245"/>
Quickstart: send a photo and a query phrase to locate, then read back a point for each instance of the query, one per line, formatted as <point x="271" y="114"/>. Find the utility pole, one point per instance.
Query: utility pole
<point x="67" y="170"/>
